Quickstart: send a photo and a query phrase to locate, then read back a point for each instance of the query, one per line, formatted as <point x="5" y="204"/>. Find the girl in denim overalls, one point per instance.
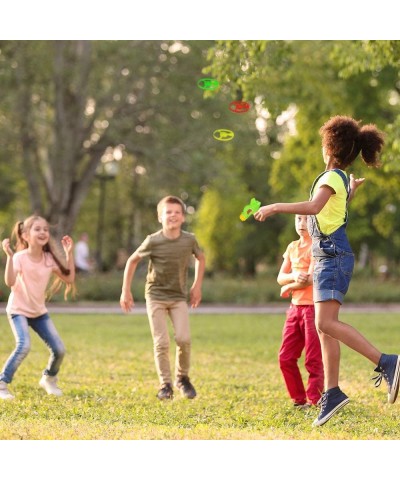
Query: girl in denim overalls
<point x="343" y="139"/>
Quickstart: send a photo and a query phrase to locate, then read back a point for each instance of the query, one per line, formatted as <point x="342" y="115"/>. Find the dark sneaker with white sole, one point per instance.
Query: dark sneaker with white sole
<point x="389" y="369"/>
<point x="165" y="392"/>
<point x="331" y="402"/>
<point x="186" y="388"/>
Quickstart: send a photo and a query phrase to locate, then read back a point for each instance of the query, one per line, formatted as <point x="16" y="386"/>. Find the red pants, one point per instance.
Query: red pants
<point x="299" y="333"/>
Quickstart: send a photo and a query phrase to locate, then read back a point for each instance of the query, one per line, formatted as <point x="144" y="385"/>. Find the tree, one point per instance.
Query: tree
<point x="321" y="79"/>
<point x="76" y="105"/>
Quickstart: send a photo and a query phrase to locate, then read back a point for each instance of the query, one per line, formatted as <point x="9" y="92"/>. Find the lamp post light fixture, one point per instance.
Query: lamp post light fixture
<point x="106" y="171"/>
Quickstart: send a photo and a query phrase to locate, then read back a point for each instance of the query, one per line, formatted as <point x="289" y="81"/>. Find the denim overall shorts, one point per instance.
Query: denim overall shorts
<point x="334" y="259"/>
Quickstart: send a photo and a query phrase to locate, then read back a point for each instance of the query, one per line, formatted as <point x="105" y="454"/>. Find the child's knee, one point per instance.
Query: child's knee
<point x="161" y="345"/>
<point x="183" y="341"/>
<point x="23" y="348"/>
<point x="286" y="361"/>
<point x="60" y="351"/>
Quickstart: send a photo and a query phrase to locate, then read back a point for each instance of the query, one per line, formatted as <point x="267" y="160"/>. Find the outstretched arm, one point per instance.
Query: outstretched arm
<point x="311" y="207"/>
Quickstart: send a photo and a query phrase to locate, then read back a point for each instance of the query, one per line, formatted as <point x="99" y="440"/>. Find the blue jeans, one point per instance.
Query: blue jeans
<point x="46" y="330"/>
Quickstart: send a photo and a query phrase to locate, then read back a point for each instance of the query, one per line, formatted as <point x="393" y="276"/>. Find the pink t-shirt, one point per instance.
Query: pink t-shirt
<point x="27" y="295"/>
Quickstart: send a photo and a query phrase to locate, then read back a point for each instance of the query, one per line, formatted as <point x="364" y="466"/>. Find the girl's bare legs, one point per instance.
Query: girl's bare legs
<point x="330" y="349"/>
<point x="332" y="331"/>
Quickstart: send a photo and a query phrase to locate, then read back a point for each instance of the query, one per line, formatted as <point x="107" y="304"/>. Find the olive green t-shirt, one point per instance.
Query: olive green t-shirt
<point x="169" y="262"/>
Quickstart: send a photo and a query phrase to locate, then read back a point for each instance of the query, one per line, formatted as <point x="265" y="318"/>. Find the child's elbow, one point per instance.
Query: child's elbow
<point x="314" y="210"/>
<point x="10" y="279"/>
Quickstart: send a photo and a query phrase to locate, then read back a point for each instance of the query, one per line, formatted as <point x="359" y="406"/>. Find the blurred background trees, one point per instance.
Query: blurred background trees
<point x="94" y="133"/>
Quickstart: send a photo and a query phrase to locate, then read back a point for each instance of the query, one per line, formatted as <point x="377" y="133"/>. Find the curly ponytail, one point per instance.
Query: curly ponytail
<point x="371" y="142"/>
<point x="343" y="139"/>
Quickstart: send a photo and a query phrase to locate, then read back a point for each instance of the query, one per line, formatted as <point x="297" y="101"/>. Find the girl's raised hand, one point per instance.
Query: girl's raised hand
<point x="7" y="247"/>
<point x="355" y="182"/>
<point x="67" y="243"/>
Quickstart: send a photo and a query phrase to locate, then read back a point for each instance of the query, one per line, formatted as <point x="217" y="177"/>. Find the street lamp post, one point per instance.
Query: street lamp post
<point x="106" y="171"/>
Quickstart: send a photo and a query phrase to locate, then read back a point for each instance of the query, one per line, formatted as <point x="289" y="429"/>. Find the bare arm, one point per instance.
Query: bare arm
<point x="285" y="274"/>
<point x="354" y="184"/>
<point x="294" y="280"/>
<point x="287" y="289"/>
<point x="311" y="207"/>
<point x="195" y="291"/>
<point x="286" y="277"/>
<point x="10" y="275"/>
<point x="126" y="299"/>
<point x="68" y="246"/>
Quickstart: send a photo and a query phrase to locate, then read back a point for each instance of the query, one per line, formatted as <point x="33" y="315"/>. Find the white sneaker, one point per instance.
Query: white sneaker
<point x="50" y="385"/>
<point x="4" y="393"/>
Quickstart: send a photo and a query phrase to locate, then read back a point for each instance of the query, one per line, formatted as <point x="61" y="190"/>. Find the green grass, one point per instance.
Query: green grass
<point x="109" y="383"/>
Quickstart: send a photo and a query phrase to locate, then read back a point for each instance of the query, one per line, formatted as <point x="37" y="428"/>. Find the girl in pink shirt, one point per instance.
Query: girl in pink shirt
<point x="27" y="273"/>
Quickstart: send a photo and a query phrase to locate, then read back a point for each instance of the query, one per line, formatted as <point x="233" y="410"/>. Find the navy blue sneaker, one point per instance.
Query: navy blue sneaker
<point x="165" y="392"/>
<point x="186" y="388"/>
<point x="389" y="369"/>
<point x="331" y="401"/>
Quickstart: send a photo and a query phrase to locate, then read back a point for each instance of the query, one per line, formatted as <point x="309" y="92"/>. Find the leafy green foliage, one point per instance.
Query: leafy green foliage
<point x="366" y="55"/>
<point x="320" y="79"/>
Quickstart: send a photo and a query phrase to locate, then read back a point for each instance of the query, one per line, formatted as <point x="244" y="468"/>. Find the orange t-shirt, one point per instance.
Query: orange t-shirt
<point x="29" y="290"/>
<point x="300" y="258"/>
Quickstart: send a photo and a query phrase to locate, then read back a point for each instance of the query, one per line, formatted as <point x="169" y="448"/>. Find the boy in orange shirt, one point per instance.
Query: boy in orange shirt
<point x="299" y="332"/>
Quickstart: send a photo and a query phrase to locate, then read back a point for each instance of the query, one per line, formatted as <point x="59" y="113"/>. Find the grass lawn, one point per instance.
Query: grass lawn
<point x="109" y="383"/>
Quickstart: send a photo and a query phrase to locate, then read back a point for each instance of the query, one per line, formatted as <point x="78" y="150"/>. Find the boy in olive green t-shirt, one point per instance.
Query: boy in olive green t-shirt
<point x="170" y="251"/>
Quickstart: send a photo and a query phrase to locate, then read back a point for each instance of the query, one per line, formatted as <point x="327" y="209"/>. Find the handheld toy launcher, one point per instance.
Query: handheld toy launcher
<point x="250" y="209"/>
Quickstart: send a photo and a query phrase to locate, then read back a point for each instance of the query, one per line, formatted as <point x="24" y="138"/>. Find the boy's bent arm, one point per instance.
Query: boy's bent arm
<point x="287" y="289"/>
<point x="126" y="299"/>
<point x="199" y="269"/>
<point x="285" y="274"/>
